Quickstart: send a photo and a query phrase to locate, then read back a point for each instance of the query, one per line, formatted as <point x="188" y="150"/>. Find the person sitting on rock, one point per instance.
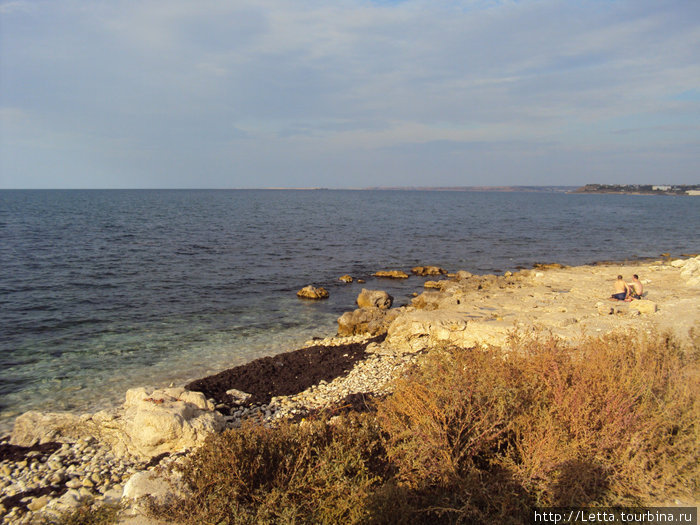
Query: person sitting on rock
<point x="634" y="289"/>
<point x="620" y="289"/>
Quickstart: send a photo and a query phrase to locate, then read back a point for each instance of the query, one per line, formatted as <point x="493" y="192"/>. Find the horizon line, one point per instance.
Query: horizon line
<point x="305" y="188"/>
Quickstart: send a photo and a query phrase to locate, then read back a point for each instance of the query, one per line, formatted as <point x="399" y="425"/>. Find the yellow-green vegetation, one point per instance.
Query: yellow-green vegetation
<point x="472" y="436"/>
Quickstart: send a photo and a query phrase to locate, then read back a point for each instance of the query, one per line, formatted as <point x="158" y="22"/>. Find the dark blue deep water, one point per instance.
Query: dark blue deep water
<point x="104" y="290"/>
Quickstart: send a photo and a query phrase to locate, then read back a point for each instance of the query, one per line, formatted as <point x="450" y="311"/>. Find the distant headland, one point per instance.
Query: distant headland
<point x="641" y="189"/>
<point x="632" y="189"/>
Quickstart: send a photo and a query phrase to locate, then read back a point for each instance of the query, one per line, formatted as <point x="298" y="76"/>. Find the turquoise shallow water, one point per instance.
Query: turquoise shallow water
<point x="104" y="290"/>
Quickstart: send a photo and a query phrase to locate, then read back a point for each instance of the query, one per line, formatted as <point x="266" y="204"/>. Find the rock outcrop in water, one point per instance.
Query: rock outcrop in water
<point x="428" y="270"/>
<point x="313" y="293"/>
<point x="392" y="274"/>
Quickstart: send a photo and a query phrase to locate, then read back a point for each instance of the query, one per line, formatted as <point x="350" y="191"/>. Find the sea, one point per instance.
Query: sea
<point x="101" y="291"/>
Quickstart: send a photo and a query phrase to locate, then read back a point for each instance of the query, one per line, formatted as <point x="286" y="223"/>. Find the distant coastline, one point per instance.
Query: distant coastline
<point x="534" y="189"/>
<point x="630" y="189"/>
<point x="641" y="189"/>
<point x="621" y="189"/>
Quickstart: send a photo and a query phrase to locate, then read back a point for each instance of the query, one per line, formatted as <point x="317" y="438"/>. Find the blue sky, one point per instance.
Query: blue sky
<point x="296" y="93"/>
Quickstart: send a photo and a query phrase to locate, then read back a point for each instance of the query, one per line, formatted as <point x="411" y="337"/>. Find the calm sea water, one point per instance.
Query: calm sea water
<point x="105" y="290"/>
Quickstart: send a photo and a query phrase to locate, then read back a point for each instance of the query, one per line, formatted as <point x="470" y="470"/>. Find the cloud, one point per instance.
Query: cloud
<point x="14" y="7"/>
<point x="296" y="88"/>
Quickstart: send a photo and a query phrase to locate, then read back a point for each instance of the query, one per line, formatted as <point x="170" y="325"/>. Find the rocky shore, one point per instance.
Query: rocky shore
<point x="54" y="462"/>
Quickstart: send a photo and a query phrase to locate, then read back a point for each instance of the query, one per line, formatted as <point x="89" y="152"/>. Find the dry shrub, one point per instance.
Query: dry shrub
<point x="447" y="421"/>
<point x="451" y="410"/>
<point x="473" y="436"/>
<point x="613" y="420"/>
<point x="315" y="472"/>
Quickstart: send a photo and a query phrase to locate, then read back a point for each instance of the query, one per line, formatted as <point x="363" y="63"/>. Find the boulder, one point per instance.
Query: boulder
<point x="151" y="422"/>
<point x="374" y="299"/>
<point x="311" y="292"/>
<point x="238" y="397"/>
<point x="428" y="270"/>
<point x="690" y="268"/>
<point x="36" y="428"/>
<point x="604" y="308"/>
<point x="154" y="486"/>
<point x="462" y="275"/>
<point x="168" y="420"/>
<point x="437" y="285"/>
<point x="371" y="321"/>
<point x="392" y="274"/>
<point x="643" y="306"/>
<point x="37" y="503"/>
<point x="345" y="278"/>
<point x="66" y="503"/>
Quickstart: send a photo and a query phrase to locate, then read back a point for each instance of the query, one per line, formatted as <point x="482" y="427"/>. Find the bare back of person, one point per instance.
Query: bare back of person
<point x="620" y="289"/>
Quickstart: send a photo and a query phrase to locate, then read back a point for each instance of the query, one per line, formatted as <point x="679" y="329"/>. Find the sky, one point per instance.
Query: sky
<point x="348" y="93"/>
